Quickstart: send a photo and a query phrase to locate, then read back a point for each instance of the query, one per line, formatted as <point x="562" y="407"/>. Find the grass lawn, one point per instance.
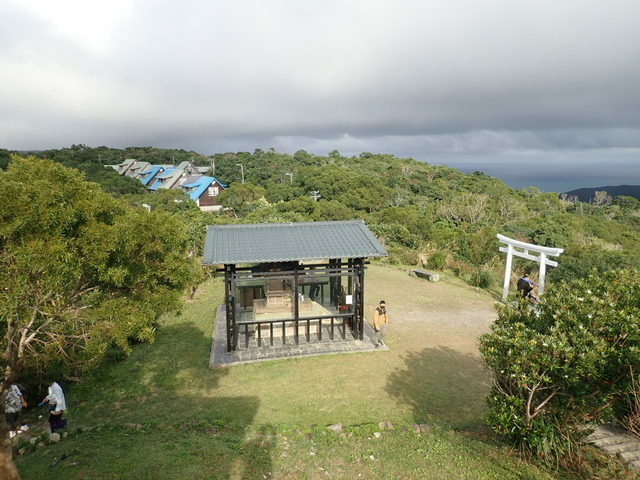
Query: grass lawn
<point x="163" y="413"/>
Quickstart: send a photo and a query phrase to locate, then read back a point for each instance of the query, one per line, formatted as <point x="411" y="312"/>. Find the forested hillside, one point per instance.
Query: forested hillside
<point x="426" y="215"/>
<point x="91" y="161"/>
<point x="431" y="215"/>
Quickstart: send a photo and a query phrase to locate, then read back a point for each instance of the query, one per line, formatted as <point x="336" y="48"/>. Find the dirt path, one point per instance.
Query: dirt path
<point x="426" y="314"/>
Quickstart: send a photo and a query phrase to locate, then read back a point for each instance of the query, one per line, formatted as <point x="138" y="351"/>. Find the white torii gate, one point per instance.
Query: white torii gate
<point x="522" y="249"/>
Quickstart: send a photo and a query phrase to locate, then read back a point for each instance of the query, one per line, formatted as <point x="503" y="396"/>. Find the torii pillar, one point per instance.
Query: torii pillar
<point x="522" y="249"/>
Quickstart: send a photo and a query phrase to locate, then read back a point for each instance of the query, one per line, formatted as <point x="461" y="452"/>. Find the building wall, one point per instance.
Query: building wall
<point x="207" y="200"/>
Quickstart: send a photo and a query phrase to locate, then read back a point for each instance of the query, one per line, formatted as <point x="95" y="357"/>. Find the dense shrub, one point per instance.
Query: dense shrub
<point x="402" y="256"/>
<point x="482" y="278"/>
<point x="552" y="234"/>
<point x="578" y="261"/>
<point x="437" y="260"/>
<point x="565" y="363"/>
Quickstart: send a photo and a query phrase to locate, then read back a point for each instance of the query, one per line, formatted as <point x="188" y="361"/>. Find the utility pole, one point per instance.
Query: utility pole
<point x="315" y="194"/>
<point x="213" y="166"/>
<point x="290" y="175"/>
<point x="241" y="170"/>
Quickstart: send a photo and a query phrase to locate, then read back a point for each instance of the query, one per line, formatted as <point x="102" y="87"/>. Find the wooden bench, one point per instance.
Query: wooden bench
<point x="431" y="276"/>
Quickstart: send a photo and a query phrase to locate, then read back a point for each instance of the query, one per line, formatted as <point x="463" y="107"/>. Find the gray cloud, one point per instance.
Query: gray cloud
<point x="459" y="80"/>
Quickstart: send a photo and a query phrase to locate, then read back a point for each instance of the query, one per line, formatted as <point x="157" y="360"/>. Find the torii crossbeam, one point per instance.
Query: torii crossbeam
<point x="522" y="249"/>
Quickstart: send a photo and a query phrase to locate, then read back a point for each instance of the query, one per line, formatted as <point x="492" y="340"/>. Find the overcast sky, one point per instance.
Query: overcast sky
<point x="537" y="92"/>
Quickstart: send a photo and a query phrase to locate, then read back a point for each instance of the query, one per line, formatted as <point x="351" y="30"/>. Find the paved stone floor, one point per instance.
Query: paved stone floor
<point x="254" y="353"/>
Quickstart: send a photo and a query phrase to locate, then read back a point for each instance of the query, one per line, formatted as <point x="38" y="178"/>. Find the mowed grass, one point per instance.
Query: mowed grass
<point x="163" y="413"/>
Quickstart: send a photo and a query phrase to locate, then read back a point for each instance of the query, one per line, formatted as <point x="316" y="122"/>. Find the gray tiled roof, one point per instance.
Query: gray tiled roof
<point x="280" y="242"/>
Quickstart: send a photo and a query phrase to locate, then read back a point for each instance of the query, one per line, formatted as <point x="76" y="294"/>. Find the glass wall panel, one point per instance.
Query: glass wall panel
<point x="321" y="293"/>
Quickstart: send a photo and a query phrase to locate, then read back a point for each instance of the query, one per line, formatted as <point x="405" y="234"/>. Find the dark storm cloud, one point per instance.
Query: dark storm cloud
<point x="456" y="80"/>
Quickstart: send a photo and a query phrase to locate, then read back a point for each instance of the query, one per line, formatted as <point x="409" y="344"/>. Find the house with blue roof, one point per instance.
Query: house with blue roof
<point x="204" y="191"/>
<point x="148" y="176"/>
<point x="161" y="179"/>
<point x="178" y="175"/>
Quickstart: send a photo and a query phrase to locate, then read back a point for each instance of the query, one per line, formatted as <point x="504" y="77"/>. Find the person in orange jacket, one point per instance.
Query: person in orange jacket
<point x="380" y="321"/>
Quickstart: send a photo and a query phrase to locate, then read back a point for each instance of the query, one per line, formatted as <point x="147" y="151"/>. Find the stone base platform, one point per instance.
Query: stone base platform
<point x="254" y="353"/>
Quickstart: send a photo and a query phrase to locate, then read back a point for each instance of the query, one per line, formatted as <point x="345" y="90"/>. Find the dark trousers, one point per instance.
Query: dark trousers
<point x="11" y="419"/>
<point x="56" y="422"/>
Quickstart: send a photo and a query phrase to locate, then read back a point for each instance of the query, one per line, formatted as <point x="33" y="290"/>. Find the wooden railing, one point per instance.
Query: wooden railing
<point x="279" y="328"/>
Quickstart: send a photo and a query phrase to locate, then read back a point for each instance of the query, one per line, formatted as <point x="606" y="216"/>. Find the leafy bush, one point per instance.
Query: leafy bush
<point x="578" y="262"/>
<point x="437" y="260"/>
<point x="402" y="256"/>
<point x="482" y="278"/>
<point x="552" y="234"/>
<point x="566" y="363"/>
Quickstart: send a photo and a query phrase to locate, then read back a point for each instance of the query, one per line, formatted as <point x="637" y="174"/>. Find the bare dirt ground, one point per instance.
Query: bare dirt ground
<point x="427" y="314"/>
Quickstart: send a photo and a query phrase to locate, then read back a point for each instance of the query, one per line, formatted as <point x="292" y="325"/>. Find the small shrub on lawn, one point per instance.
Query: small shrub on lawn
<point x="482" y="278"/>
<point x="437" y="260"/>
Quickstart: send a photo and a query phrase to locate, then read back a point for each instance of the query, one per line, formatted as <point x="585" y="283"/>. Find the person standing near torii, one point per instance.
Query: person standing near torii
<point x="527" y="250"/>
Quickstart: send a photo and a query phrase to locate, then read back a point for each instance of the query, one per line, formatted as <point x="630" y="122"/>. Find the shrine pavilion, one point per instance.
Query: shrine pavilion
<point x="292" y="283"/>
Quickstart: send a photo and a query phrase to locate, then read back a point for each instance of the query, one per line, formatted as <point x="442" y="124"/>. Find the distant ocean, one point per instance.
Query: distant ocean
<point x="549" y="174"/>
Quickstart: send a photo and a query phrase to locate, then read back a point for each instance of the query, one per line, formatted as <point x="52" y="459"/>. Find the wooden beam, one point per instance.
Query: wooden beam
<point x="551" y="251"/>
<point x="529" y="256"/>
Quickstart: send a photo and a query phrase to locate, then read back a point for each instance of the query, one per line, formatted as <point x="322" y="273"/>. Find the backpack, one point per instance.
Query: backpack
<point x="524" y="286"/>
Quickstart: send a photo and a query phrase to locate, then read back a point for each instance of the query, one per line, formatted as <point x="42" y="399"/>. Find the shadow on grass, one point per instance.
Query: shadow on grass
<point x="441" y="385"/>
<point x="157" y="414"/>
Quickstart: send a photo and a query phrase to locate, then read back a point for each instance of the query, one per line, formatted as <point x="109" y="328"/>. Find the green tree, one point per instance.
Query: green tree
<point x="552" y="234"/>
<point x="79" y="272"/>
<point x="579" y="261"/>
<point x="325" y="210"/>
<point x="569" y="362"/>
<point x="164" y="199"/>
<point x="242" y="197"/>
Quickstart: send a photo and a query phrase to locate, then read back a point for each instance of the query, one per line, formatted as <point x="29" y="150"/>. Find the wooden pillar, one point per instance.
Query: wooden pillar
<point x="333" y="283"/>
<point x="229" y="295"/>
<point x="358" y="297"/>
<point x="507" y="272"/>
<point x="543" y="272"/>
<point x="296" y="306"/>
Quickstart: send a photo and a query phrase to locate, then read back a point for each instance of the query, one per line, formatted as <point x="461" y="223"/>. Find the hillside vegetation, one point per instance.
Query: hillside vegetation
<point x="426" y="215"/>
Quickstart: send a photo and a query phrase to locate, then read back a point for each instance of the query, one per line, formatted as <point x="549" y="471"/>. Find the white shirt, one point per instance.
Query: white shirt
<point x="12" y="400"/>
<point x="56" y="397"/>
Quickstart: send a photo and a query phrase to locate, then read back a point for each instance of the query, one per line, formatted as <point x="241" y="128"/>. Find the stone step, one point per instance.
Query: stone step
<point x="610" y="440"/>
<point x="616" y="441"/>
<point x="624" y="445"/>
<point x="630" y="455"/>
<point x="605" y="430"/>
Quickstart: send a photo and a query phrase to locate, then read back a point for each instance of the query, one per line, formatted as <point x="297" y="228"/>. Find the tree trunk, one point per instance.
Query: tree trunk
<point x="8" y="470"/>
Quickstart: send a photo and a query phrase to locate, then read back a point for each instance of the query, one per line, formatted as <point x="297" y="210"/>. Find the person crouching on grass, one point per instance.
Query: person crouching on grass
<point x="57" y="406"/>
<point x="380" y="323"/>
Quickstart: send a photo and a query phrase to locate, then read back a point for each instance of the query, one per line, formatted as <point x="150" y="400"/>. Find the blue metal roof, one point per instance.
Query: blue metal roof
<point x="150" y="173"/>
<point x="281" y="242"/>
<point x="199" y="186"/>
<point x="157" y="184"/>
<point x="167" y="173"/>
